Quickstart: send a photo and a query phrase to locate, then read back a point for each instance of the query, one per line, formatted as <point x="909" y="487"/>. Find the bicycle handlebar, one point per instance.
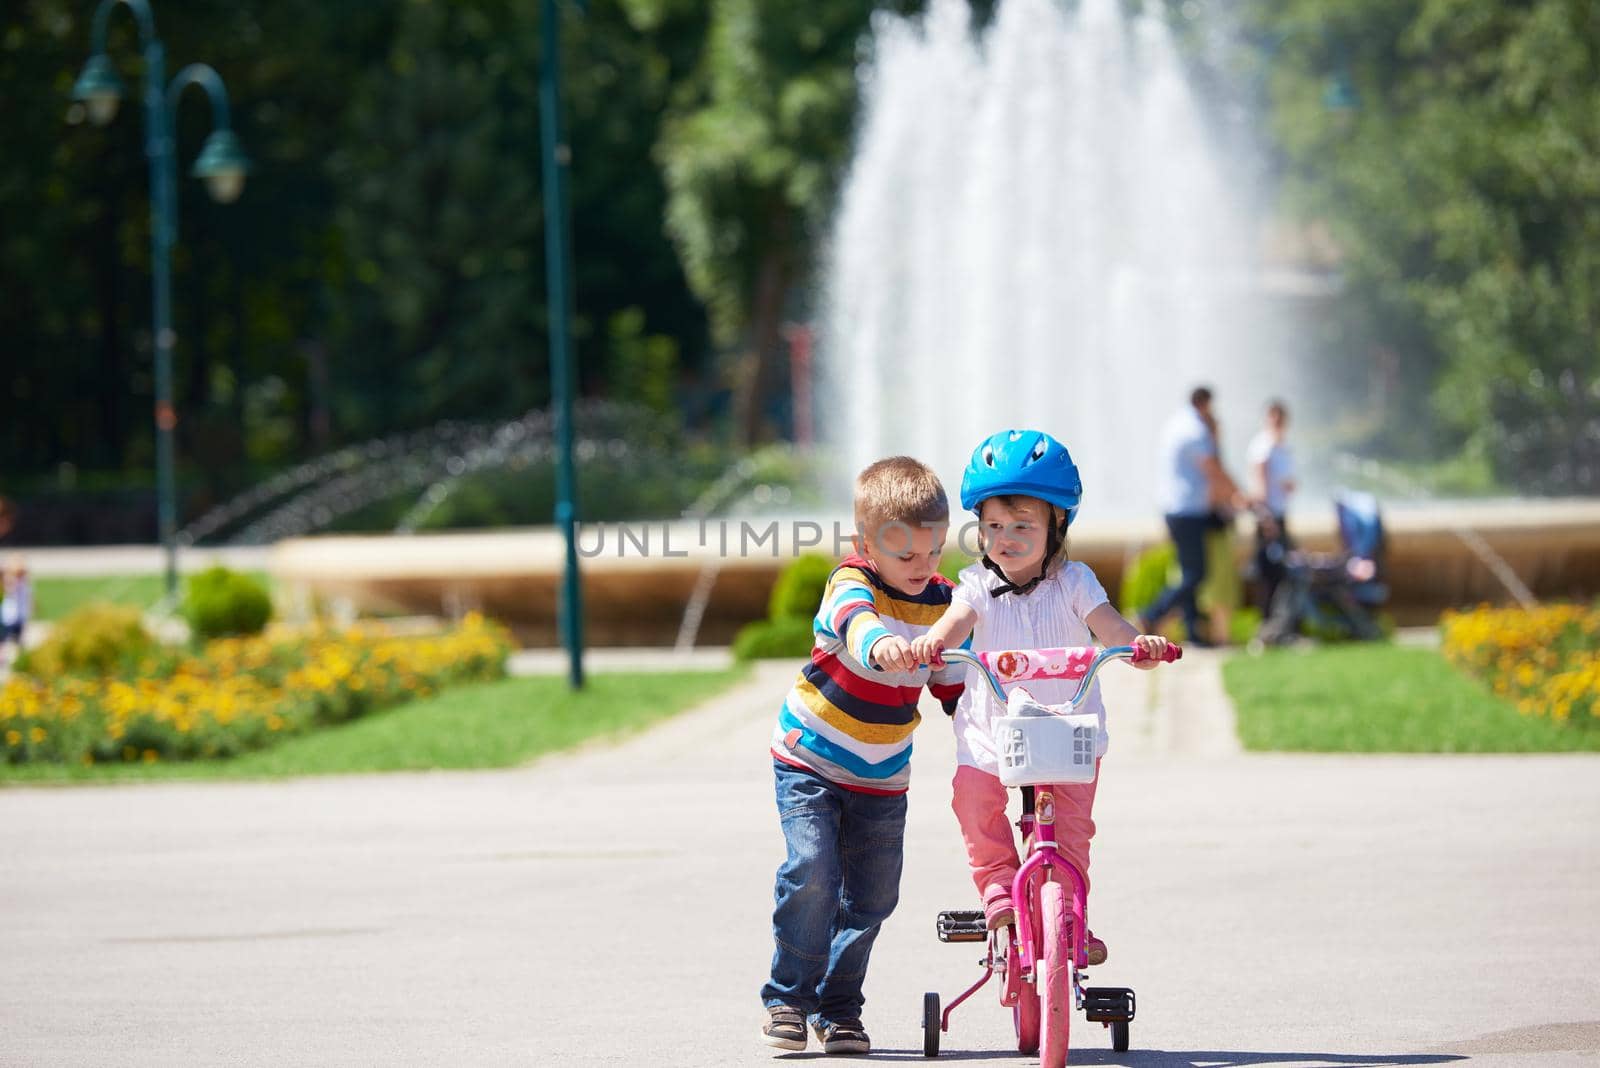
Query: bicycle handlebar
<point x="1081" y="663"/>
<point x="1173" y="652"/>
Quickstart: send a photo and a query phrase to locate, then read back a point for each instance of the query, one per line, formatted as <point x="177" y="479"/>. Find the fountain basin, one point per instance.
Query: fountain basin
<point x="636" y="586"/>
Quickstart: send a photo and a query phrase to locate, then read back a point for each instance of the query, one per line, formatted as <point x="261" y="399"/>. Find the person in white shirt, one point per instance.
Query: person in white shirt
<point x="1193" y="483"/>
<point x="1273" y="480"/>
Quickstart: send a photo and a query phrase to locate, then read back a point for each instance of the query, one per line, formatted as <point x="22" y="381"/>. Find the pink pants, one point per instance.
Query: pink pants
<point x="980" y="806"/>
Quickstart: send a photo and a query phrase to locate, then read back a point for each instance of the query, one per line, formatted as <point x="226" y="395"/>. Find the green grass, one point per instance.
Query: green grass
<point x="483" y="725"/>
<point x="56" y="596"/>
<point x="1381" y="699"/>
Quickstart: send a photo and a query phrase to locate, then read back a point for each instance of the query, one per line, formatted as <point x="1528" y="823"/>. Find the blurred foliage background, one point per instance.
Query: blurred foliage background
<point x="384" y="268"/>
<point x="1460" y="184"/>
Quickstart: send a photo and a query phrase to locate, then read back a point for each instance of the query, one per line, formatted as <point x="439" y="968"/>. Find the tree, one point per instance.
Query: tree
<point x="1465" y="192"/>
<point x="385" y="262"/>
<point x="752" y="150"/>
<point x="440" y="215"/>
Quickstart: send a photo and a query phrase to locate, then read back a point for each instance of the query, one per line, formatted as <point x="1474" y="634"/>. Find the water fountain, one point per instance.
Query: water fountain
<point x="431" y="463"/>
<point x="1039" y="229"/>
<point x="1047" y="224"/>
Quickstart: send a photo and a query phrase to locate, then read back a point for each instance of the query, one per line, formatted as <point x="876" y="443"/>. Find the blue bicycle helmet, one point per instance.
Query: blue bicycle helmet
<point x="1026" y="462"/>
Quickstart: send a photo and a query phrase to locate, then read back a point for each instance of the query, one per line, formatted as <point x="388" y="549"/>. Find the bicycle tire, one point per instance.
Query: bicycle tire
<point x="1055" y="976"/>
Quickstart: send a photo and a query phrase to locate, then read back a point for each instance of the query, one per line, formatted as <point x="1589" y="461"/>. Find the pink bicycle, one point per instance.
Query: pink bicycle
<point x="1041" y="959"/>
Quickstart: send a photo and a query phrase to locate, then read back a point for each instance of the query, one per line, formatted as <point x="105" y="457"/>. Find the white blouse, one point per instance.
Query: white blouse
<point x="1051" y="615"/>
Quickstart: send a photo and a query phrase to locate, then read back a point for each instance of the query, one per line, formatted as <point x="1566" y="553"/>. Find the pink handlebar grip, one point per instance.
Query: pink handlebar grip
<point x="1174" y="652"/>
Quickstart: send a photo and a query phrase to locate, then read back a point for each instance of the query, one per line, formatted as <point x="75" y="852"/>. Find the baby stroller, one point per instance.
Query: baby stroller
<point x="1333" y="595"/>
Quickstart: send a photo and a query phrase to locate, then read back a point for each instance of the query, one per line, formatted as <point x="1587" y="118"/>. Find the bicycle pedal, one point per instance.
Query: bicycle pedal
<point x="1108" y="1004"/>
<point x="963" y="925"/>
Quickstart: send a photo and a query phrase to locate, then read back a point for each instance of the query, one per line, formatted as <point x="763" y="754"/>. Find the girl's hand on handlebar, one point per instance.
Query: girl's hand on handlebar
<point x="892" y="652"/>
<point x="928" y="650"/>
<point x="1154" y="650"/>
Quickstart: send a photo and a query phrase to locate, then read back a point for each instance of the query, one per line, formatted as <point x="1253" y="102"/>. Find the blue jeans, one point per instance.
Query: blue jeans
<point x="1189" y="536"/>
<point x="841" y="880"/>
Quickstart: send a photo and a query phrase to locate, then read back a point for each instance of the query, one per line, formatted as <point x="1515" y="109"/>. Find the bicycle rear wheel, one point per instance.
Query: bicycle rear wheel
<point x="1055" y="976"/>
<point x="1025" y="1012"/>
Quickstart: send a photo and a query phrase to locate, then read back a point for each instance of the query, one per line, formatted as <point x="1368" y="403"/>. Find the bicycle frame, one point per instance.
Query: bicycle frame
<point x="1043" y="854"/>
<point x="1084" y="664"/>
<point x="1020" y="955"/>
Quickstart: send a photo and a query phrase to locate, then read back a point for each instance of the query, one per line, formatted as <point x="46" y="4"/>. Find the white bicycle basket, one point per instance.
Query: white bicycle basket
<point x="1039" y="747"/>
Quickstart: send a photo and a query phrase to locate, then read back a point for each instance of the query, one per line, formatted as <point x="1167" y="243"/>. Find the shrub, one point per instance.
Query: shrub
<point x="952" y="563"/>
<point x="768" y="639"/>
<point x="1243" y="624"/>
<point x="798" y="591"/>
<point x="221" y="603"/>
<point x="96" y="639"/>
<point x="1145" y="578"/>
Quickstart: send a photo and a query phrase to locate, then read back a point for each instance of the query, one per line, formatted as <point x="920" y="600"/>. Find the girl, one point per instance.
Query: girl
<point x="1023" y="594"/>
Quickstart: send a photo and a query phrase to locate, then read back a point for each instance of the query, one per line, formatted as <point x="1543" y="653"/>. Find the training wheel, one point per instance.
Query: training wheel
<point x="930" y="1025"/>
<point x="1119" y="1036"/>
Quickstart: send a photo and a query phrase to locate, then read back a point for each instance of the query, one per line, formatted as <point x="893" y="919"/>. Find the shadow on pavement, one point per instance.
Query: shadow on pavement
<point x="1160" y="1058"/>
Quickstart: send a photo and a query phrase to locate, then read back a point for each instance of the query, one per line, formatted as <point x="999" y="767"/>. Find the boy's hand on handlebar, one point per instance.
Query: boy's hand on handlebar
<point x="892" y="652"/>
<point x="1154" y="648"/>
<point x="928" y="650"/>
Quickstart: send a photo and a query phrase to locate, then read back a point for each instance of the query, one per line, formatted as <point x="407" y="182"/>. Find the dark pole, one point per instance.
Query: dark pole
<point x="158" y="146"/>
<point x="221" y="162"/>
<point x="557" y="156"/>
<point x="158" y="149"/>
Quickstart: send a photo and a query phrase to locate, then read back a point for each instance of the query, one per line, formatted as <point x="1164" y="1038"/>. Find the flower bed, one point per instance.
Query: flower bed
<point x="239" y="694"/>
<point x="1547" y="659"/>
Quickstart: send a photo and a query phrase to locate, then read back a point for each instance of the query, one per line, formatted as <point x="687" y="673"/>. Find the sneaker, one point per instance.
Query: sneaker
<point x="998" y="913"/>
<point x="843" y="1036"/>
<point x="1094" y="949"/>
<point x="785" y="1028"/>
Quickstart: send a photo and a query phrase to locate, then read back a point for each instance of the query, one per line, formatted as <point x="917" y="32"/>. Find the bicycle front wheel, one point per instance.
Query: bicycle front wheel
<point x="1025" y="1011"/>
<point x="1055" y="976"/>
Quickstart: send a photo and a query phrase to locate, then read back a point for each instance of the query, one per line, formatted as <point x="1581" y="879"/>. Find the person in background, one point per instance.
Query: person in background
<point x="1221" y="593"/>
<point x="1192" y="478"/>
<point x="1273" y="480"/>
<point x="16" y="606"/>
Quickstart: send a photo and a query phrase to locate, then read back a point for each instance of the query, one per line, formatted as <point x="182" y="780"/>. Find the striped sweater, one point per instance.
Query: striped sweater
<point x="849" y="722"/>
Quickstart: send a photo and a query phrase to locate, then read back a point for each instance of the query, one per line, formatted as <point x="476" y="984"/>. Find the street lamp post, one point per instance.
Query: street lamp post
<point x="556" y="155"/>
<point x="221" y="164"/>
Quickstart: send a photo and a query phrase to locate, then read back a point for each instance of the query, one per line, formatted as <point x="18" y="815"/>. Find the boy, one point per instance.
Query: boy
<point x="841" y="756"/>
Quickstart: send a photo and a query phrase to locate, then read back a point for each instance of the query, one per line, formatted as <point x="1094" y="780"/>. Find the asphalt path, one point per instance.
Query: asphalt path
<point x="612" y="906"/>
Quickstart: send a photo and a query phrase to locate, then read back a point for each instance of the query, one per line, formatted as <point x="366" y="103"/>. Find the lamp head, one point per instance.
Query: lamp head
<point x="99" y="87"/>
<point x="223" y="165"/>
